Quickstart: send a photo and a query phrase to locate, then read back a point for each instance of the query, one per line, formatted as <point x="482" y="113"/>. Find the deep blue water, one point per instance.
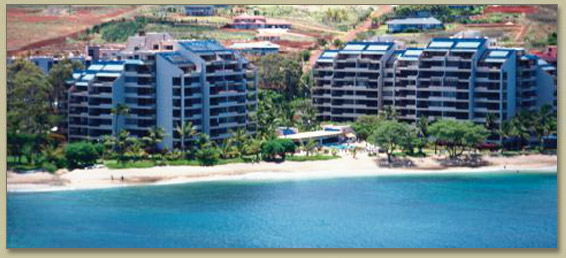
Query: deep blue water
<point x="481" y="210"/>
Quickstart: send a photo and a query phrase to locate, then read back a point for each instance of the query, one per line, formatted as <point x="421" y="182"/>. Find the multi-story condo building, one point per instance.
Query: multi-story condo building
<point x="348" y="82"/>
<point x="459" y="78"/>
<point x="164" y="83"/>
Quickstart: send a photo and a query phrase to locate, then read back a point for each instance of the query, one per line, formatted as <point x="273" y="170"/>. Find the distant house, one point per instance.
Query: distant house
<point x="256" y="48"/>
<point x="550" y="55"/>
<point x="408" y="24"/>
<point x="253" y="22"/>
<point x="270" y="34"/>
<point x="199" y="10"/>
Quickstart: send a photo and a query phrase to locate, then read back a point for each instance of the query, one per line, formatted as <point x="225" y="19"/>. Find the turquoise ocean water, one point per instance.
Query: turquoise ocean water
<point x="479" y="210"/>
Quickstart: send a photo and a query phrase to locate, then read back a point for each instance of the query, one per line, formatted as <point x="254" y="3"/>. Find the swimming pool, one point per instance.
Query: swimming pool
<point x="339" y="146"/>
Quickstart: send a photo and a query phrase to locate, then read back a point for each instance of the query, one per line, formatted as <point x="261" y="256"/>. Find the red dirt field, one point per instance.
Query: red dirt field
<point x="510" y="9"/>
<point x="34" y="27"/>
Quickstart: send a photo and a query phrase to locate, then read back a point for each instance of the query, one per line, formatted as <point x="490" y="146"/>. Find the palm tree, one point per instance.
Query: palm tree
<point x="507" y="130"/>
<point x="118" y="111"/>
<point x="155" y="136"/>
<point x="310" y="146"/>
<point x="239" y="140"/>
<point x="543" y="125"/>
<point x="254" y="148"/>
<point x="388" y="113"/>
<point x="422" y="127"/>
<point x="227" y="150"/>
<point x="124" y="143"/>
<point x="491" y="123"/>
<point x="108" y="141"/>
<point x="522" y="126"/>
<point x="186" y="130"/>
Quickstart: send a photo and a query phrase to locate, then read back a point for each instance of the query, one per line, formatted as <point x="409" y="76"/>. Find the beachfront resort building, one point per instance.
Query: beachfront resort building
<point x="414" y="24"/>
<point x="348" y="81"/>
<point x="164" y="83"/>
<point x="459" y="78"/>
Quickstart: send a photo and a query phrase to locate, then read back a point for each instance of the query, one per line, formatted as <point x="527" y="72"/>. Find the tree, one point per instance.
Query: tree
<point x="288" y="116"/>
<point x="305" y="55"/>
<point x="544" y="124"/>
<point x="491" y="124"/>
<point x="523" y="124"/>
<point x="207" y="154"/>
<point x="119" y="111"/>
<point x="186" y="130"/>
<point x="422" y="127"/>
<point x="305" y="114"/>
<point x="29" y="109"/>
<point x="388" y="113"/>
<point x="154" y="137"/>
<point x="280" y="73"/>
<point x="272" y="148"/>
<point x="337" y="43"/>
<point x="57" y="77"/>
<point x="80" y="154"/>
<point x="457" y="136"/>
<point x="124" y="144"/>
<point x="268" y="116"/>
<point x="310" y="146"/>
<point x="410" y="140"/>
<point x="228" y="150"/>
<point x="389" y="135"/>
<point x="306" y="83"/>
<point x="322" y="42"/>
<point x="288" y="147"/>
<point x="239" y="140"/>
<point x="254" y="148"/>
<point x="365" y="125"/>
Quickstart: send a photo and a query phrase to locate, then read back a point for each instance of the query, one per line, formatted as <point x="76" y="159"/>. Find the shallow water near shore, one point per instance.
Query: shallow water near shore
<point x="462" y="210"/>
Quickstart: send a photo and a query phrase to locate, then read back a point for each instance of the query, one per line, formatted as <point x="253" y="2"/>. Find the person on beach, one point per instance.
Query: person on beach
<point x="122" y="178"/>
<point x="112" y="177"/>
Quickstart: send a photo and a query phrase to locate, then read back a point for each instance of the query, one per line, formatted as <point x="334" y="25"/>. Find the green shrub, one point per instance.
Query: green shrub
<point x="208" y="157"/>
<point x="270" y="149"/>
<point x="49" y="167"/>
<point x="80" y="154"/>
<point x="288" y="146"/>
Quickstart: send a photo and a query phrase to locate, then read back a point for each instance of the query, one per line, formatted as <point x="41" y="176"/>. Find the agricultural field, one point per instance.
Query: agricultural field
<point x="34" y="26"/>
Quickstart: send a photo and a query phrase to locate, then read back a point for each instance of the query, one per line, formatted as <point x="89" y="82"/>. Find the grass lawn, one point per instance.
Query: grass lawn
<point x="23" y="166"/>
<point x="113" y="164"/>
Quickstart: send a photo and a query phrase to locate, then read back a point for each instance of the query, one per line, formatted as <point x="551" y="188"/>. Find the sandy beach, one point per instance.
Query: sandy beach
<point x="347" y="166"/>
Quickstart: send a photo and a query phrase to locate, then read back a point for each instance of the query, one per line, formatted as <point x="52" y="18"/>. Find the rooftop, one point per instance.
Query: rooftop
<point x="254" y="45"/>
<point x="310" y="135"/>
<point x="456" y="43"/>
<point x="202" y="45"/>
<point x="175" y="58"/>
<point x="408" y="21"/>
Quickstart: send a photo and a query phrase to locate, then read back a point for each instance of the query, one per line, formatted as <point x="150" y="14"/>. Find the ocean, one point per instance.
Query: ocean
<point x="495" y="210"/>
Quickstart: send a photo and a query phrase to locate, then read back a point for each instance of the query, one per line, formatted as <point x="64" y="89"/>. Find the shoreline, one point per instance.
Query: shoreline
<point x="344" y="167"/>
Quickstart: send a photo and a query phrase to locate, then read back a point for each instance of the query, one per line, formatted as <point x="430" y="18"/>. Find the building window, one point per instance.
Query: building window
<point x="156" y="47"/>
<point x="176" y="81"/>
<point x="131" y="79"/>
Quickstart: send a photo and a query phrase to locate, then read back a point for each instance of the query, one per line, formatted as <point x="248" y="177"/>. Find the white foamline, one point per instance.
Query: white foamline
<point x="285" y="176"/>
